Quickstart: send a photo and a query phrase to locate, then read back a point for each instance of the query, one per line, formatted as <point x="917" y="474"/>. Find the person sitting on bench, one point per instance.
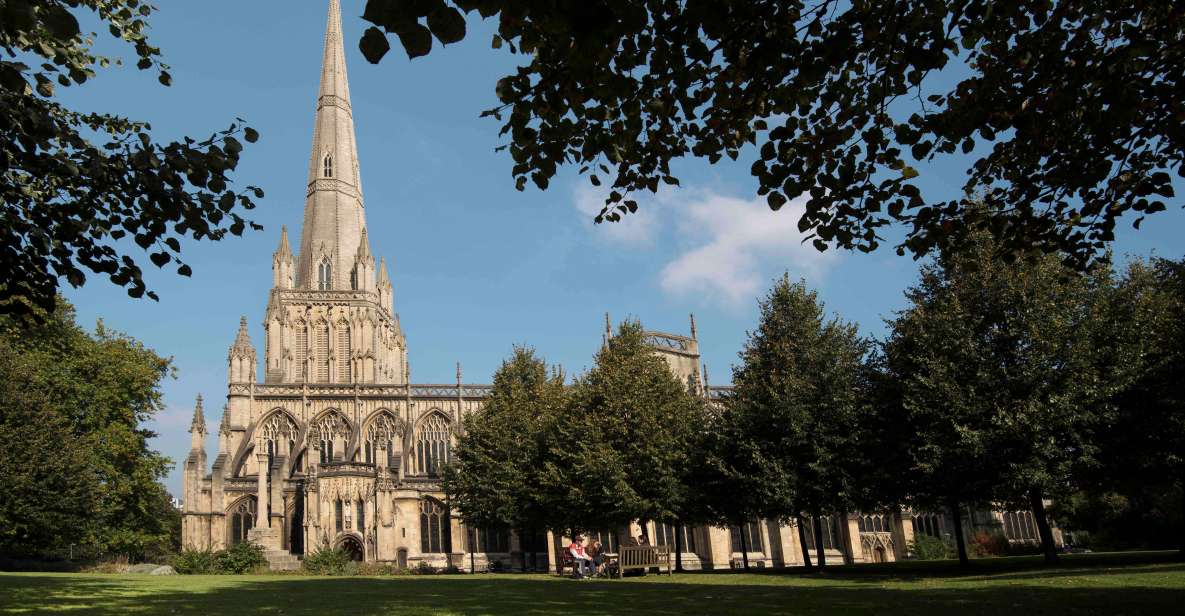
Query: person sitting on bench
<point x="581" y="563"/>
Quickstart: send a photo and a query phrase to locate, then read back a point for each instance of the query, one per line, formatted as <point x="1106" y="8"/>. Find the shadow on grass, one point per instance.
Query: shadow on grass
<point x="1156" y="589"/>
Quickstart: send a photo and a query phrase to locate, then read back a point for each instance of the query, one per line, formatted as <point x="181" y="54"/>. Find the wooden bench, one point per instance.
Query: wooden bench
<point x="643" y="557"/>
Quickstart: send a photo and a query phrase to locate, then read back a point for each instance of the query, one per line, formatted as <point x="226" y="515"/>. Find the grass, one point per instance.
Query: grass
<point x="1111" y="584"/>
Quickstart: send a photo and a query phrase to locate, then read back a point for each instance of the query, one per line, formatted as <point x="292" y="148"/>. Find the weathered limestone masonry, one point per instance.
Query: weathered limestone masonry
<point x="336" y="448"/>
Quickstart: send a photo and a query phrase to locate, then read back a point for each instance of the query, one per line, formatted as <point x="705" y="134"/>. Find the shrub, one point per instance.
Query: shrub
<point x="328" y="562"/>
<point x="984" y="544"/>
<point x="423" y="568"/>
<point x="452" y="569"/>
<point x="195" y="562"/>
<point x="925" y="547"/>
<point x="375" y="569"/>
<point x="245" y="557"/>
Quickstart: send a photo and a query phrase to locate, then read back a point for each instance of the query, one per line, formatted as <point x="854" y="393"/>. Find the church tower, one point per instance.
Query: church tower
<point x="330" y="317"/>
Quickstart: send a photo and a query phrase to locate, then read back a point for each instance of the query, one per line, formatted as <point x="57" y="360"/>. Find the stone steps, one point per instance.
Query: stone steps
<point x="279" y="560"/>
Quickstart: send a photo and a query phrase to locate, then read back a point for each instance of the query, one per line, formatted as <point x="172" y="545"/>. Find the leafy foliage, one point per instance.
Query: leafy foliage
<point x="925" y="547"/>
<point x="620" y="448"/>
<point x="244" y="557"/>
<point x="195" y="562"/>
<point x="799" y="395"/>
<point x="1070" y="110"/>
<point x="75" y="184"/>
<point x="328" y="562"/>
<point x="76" y="462"/>
<point x="493" y="479"/>
<point x="988" y="544"/>
<point x="1005" y="370"/>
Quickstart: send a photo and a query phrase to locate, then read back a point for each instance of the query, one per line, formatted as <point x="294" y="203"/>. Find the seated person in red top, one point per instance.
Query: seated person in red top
<point x="579" y="558"/>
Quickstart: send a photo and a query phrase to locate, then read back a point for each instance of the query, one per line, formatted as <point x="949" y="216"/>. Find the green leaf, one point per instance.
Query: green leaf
<point x="447" y="24"/>
<point x="60" y="22"/>
<point x="250" y="134"/>
<point x="909" y="173"/>
<point x="374" y="45"/>
<point x="776" y="200"/>
<point x="416" y="40"/>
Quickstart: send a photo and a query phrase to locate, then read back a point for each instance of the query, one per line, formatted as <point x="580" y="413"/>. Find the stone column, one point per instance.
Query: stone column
<point x="261" y="497"/>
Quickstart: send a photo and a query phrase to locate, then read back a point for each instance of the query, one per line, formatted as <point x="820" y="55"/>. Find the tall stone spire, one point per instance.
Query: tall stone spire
<point x="333" y="214"/>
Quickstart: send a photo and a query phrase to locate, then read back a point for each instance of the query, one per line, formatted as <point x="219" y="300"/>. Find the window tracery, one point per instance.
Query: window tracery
<point x="242" y="520"/>
<point x="432" y="444"/>
<point x="435" y="533"/>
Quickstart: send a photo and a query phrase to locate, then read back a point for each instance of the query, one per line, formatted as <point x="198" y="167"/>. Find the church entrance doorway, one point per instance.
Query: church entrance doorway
<point x="350" y="545"/>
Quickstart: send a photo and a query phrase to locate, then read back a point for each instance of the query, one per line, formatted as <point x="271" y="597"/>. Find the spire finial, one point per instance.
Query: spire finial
<point x="284" y="251"/>
<point x="364" y="246"/>
<point x="458" y="373"/>
<point x="608" y="327"/>
<point x="224" y="425"/>
<point x="242" y="346"/>
<point x="693" y="326"/>
<point x="199" y="417"/>
<point x="705" y="377"/>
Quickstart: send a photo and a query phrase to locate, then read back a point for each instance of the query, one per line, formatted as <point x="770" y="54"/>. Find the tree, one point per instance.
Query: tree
<point x="618" y="450"/>
<point x="492" y="480"/>
<point x="76" y="183"/>
<point x="1068" y="109"/>
<point x="1142" y="441"/>
<point x="1002" y="379"/>
<point x="798" y="395"/>
<point x="72" y="407"/>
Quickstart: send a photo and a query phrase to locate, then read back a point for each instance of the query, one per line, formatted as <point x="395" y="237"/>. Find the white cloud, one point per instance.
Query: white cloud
<point x="727" y="249"/>
<point x="637" y="229"/>
<point x="740" y="246"/>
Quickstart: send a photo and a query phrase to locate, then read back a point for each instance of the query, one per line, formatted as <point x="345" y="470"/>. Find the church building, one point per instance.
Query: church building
<point x="336" y="448"/>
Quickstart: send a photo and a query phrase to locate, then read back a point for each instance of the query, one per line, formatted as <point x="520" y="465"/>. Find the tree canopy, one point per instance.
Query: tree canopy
<point x="799" y="398"/>
<point x="1069" y="112"/>
<point x="78" y="186"/>
<point x="76" y="462"/>
<point x="1005" y="371"/>
<point x="497" y="462"/>
<point x="624" y="440"/>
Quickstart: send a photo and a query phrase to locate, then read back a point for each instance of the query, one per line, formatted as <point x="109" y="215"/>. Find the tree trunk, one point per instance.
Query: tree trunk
<point x="744" y="546"/>
<point x="819" y="542"/>
<point x="1038" y="503"/>
<point x="845" y="535"/>
<point x="957" y="516"/>
<point x="806" y="550"/>
<point x="679" y="548"/>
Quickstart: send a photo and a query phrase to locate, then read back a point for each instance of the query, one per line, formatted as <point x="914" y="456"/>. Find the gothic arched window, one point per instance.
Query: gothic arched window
<point x="324" y="274"/>
<point x="435" y="534"/>
<point x="326" y="431"/>
<point x="327" y="165"/>
<point x="242" y="519"/>
<point x="432" y="444"/>
<point x="381" y="435"/>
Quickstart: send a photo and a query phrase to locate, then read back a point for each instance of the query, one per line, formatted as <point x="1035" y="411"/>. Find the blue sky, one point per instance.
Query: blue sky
<point x="477" y="266"/>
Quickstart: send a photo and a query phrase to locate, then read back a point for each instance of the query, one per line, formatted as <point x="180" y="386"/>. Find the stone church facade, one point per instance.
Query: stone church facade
<point x="337" y="448"/>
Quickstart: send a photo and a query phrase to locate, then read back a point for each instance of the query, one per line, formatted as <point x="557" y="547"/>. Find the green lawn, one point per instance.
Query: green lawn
<point x="1128" y="584"/>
